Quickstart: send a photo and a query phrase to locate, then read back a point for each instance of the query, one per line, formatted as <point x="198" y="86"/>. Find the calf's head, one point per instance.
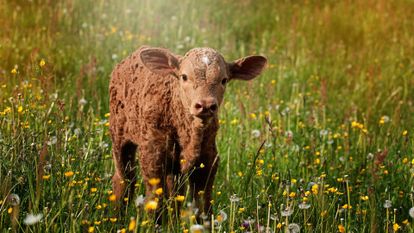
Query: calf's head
<point x="203" y="75"/>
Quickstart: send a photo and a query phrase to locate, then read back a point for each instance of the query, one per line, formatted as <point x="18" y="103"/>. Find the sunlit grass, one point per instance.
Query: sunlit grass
<point x="322" y="141"/>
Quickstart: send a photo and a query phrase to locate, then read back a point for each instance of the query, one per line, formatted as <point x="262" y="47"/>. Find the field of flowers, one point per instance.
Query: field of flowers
<point x="321" y="142"/>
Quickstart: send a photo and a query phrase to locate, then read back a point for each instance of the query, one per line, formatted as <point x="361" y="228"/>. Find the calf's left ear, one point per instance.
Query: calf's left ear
<point x="247" y="68"/>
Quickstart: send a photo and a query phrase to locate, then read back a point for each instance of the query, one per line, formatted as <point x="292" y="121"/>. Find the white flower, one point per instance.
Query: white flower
<point x="83" y="101"/>
<point x="234" y="198"/>
<point x="32" y="219"/>
<point x="411" y="212"/>
<point x="197" y="228"/>
<point x="304" y="206"/>
<point x="222" y="216"/>
<point x="323" y="132"/>
<point x="14" y="199"/>
<point x="387" y="204"/>
<point x="139" y="201"/>
<point x="293" y="228"/>
<point x="287" y="212"/>
<point x="255" y="133"/>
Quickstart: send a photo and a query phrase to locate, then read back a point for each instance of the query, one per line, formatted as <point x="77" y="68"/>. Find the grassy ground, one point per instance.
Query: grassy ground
<point x="334" y="155"/>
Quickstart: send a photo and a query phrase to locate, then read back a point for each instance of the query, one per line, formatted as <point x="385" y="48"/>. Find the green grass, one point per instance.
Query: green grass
<point x="338" y="97"/>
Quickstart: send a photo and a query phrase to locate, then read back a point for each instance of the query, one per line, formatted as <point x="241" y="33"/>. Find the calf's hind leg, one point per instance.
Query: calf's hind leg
<point x="124" y="179"/>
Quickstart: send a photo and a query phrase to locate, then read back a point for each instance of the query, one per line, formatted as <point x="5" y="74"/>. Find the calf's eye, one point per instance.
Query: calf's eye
<point x="184" y="77"/>
<point x="224" y="81"/>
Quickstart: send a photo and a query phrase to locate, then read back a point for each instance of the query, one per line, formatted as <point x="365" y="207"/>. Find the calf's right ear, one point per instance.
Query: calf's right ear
<point x="159" y="61"/>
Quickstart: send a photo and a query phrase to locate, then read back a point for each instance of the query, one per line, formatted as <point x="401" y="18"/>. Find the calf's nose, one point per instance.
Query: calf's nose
<point x="206" y="106"/>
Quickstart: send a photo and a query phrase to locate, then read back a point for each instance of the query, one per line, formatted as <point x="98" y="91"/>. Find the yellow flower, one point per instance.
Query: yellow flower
<point x="253" y="115"/>
<point x="42" y="63"/>
<point x="364" y="198"/>
<point x="112" y="197"/>
<point x="69" y="173"/>
<point x="97" y="222"/>
<point x="132" y="224"/>
<point x="158" y="191"/>
<point x="154" y="181"/>
<point x="123" y="230"/>
<point x="179" y="198"/>
<point x="405" y="222"/>
<point x="292" y="195"/>
<point x="341" y="228"/>
<point x="93" y="190"/>
<point x="151" y="205"/>
<point x="241" y="210"/>
<point x="315" y="189"/>
<point x="404" y="133"/>
<point x="91" y="229"/>
<point x="13" y="71"/>
<point x="279" y="225"/>
<point x="10" y="210"/>
<point x="98" y="207"/>
<point x="202" y="165"/>
<point x="113" y="219"/>
<point x="107" y="114"/>
<point x="395" y="227"/>
<point x="405" y="160"/>
<point x="346" y="206"/>
<point x="20" y="109"/>
<point x="46" y="177"/>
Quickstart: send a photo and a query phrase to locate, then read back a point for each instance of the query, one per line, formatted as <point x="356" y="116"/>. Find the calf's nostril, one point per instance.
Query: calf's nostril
<point x="198" y="106"/>
<point x="213" y="107"/>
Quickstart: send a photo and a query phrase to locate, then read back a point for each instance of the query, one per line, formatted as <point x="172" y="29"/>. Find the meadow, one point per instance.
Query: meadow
<point x="321" y="142"/>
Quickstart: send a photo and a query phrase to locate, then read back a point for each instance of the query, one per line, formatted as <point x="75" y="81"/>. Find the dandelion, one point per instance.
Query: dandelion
<point x="304" y="206"/>
<point x="315" y="189"/>
<point x="234" y="198"/>
<point x="91" y="229"/>
<point x="364" y="198"/>
<point x="293" y="228"/>
<point x="139" y="201"/>
<point x="154" y="181"/>
<point x="255" y="133"/>
<point x="180" y="198"/>
<point x="341" y="228"/>
<point x="46" y="177"/>
<point x="287" y="212"/>
<point x="32" y="219"/>
<point x="14" y="71"/>
<point x="132" y="224"/>
<point x="395" y="227"/>
<point x="14" y="199"/>
<point x="112" y="197"/>
<point x="222" y="216"/>
<point x="387" y="204"/>
<point x="202" y="165"/>
<point x="404" y="133"/>
<point x="151" y="205"/>
<point x="158" y="191"/>
<point x="69" y="174"/>
<point x="42" y="63"/>
<point x="113" y="219"/>
<point x="411" y="212"/>
<point x="83" y="101"/>
<point x="93" y="190"/>
<point x="197" y="228"/>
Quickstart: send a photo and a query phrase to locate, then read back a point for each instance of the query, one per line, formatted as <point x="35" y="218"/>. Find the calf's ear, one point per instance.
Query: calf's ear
<point x="159" y="61"/>
<point x="247" y="68"/>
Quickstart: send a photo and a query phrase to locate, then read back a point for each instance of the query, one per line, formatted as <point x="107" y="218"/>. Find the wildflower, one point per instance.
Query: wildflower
<point x="405" y="222"/>
<point x="287" y="212"/>
<point x="10" y="210"/>
<point x="222" y="216"/>
<point x="158" y="191"/>
<point x="292" y="195"/>
<point x="132" y="224"/>
<point x="32" y="219"/>
<point x="20" y="109"/>
<point x="112" y="197"/>
<point x="14" y="199"/>
<point x="151" y="205"/>
<point x="293" y="228"/>
<point x="387" y="204"/>
<point x="315" y="189"/>
<point x="42" y="63"/>
<point x="279" y="226"/>
<point x="179" y="198"/>
<point x="69" y="173"/>
<point x="304" y="206"/>
<point x="93" y="190"/>
<point x="395" y="227"/>
<point x="97" y="222"/>
<point x="404" y="133"/>
<point x="91" y="229"/>
<point x="197" y="228"/>
<point x="14" y="71"/>
<point x="255" y="133"/>
<point x="46" y="177"/>
<point x="202" y="165"/>
<point x="346" y="206"/>
<point x="341" y="228"/>
<point x="154" y="181"/>
<point x="364" y="198"/>
<point x="411" y="212"/>
<point x="113" y="219"/>
<point x="241" y="210"/>
<point x="234" y="198"/>
<point x="139" y="201"/>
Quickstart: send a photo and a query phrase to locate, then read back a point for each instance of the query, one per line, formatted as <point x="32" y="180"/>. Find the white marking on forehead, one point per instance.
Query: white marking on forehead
<point x="206" y="60"/>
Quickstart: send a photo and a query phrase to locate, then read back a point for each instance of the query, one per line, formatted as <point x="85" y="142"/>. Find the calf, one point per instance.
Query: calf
<point x="165" y="106"/>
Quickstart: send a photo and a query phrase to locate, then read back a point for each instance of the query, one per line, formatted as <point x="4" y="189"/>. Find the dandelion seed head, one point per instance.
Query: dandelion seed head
<point x="411" y="212"/>
<point x="387" y="204"/>
<point x="32" y="219"/>
<point x="293" y="228"/>
<point x="197" y="228"/>
<point x="14" y="199"/>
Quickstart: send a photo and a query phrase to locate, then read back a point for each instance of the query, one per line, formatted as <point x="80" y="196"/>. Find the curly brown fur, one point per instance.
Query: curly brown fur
<point x="165" y="106"/>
